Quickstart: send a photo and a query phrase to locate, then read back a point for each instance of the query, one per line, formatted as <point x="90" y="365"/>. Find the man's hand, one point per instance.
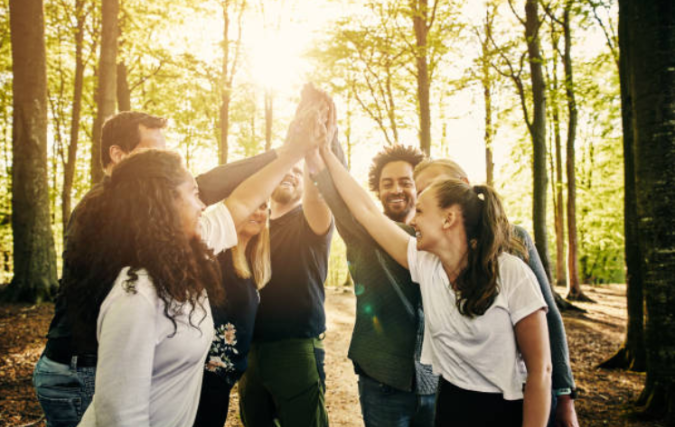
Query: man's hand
<point x="306" y="131"/>
<point x="565" y="414"/>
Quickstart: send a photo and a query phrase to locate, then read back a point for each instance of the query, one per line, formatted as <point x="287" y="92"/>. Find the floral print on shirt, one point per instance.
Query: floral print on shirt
<point x="224" y="344"/>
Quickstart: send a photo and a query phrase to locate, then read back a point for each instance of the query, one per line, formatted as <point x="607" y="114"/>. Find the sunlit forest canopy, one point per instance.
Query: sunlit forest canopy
<point x="180" y="59"/>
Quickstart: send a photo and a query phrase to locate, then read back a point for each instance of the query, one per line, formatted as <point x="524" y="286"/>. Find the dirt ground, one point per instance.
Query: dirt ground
<point x="604" y="396"/>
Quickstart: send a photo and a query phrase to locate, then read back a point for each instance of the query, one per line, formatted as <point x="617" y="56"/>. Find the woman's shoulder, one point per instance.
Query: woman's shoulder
<point x="134" y="282"/>
<point x="513" y="270"/>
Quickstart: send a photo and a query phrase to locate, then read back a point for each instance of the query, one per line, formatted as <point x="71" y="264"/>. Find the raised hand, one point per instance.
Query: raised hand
<point x="306" y="131"/>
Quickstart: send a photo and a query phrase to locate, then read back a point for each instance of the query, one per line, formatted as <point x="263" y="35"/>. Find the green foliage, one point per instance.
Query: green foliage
<point x="365" y="57"/>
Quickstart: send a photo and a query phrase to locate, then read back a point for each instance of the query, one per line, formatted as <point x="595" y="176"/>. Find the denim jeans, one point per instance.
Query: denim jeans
<point x="385" y="406"/>
<point x="64" y="391"/>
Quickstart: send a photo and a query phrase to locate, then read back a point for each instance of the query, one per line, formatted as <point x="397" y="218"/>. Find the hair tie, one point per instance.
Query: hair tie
<point x="479" y="192"/>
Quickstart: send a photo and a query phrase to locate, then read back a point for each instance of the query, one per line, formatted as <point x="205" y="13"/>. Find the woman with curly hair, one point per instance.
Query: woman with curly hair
<point x="484" y="313"/>
<point x="245" y="270"/>
<point x="146" y="290"/>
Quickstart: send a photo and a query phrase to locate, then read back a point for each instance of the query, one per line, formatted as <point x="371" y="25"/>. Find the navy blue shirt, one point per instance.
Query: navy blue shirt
<point x="291" y="305"/>
<point x="233" y="322"/>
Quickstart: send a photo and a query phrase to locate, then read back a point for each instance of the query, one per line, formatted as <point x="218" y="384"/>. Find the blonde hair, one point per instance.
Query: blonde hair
<point x="448" y="165"/>
<point x="255" y="256"/>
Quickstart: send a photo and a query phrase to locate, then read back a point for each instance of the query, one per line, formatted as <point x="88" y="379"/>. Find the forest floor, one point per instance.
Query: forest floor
<point x="604" y="396"/>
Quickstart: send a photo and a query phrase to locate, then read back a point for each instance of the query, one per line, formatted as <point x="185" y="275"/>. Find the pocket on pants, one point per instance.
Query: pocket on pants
<point x="61" y="411"/>
<point x="58" y="390"/>
<point x="320" y="356"/>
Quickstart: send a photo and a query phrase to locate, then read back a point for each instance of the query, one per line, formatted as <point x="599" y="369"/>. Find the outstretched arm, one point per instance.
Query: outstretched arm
<point x="218" y="183"/>
<point x="305" y="132"/>
<point x="314" y="207"/>
<point x="391" y="237"/>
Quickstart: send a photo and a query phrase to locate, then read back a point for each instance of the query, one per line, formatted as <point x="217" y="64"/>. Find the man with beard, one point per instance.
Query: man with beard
<point x="285" y="379"/>
<point x="395" y="389"/>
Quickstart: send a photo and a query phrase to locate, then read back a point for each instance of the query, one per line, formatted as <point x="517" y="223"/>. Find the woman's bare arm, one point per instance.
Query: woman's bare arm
<point x="532" y="337"/>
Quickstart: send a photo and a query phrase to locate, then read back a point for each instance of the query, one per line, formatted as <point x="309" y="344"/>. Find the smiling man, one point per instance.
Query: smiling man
<point x="395" y="389"/>
<point x="285" y="379"/>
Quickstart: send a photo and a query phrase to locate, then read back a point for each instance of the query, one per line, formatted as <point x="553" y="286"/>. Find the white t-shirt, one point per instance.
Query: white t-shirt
<point x="146" y="375"/>
<point x="479" y="353"/>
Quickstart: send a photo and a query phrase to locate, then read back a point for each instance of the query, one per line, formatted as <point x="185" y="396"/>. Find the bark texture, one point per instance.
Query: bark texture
<point x="34" y="257"/>
<point x="538" y="132"/>
<point x="69" y="163"/>
<point x="421" y="28"/>
<point x="632" y="355"/>
<point x="106" y="91"/>
<point x="574" y="291"/>
<point x="651" y="79"/>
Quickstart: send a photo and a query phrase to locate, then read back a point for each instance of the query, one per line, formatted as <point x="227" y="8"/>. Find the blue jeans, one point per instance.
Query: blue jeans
<point x="385" y="406"/>
<point x="64" y="391"/>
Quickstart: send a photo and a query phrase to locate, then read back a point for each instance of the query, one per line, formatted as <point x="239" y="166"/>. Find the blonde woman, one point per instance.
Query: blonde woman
<point x="245" y="269"/>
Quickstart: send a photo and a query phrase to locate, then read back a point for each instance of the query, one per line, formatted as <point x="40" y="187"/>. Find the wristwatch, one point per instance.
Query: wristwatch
<point x="571" y="392"/>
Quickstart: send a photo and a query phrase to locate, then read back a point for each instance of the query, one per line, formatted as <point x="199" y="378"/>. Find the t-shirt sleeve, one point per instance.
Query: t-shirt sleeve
<point x="217" y="228"/>
<point x="413" y="260"/>
<point x="127" y="338"/>
<point x="524" y="295"/>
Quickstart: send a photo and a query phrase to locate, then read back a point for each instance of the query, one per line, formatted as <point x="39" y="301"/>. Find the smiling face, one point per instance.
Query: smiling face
<point x="189" y="206"/>
<point x="429" y="221"/>
<point x="290" y="188"/>
<point x="255" y="223"/>
<point x="397" y="190"/>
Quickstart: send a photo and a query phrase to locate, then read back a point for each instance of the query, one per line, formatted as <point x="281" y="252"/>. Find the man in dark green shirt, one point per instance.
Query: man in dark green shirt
<point x="394" y="388"/>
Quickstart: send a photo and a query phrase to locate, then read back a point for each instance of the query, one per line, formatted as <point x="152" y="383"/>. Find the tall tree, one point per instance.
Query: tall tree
<point x="34" y="257"/>
<point x="632" y="354"/>
<point x="70" y="159"/>
<point x="574" y="291"/>
<point x="650" y="41"/>
<point x="536" y="124"/>
<point x="423" y="19"/>
<point x="556" y="164"/>
<point x="486" y="79"/>
<point x="106" y="92"/>
<point x="537" y="131"/>
<point x="231" y="50"/>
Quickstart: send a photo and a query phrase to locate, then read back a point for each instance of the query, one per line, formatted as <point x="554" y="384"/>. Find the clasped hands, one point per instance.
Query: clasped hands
<point x="314" y="126"/>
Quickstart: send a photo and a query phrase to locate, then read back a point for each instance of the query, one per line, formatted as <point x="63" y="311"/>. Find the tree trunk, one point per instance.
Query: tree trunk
<point x="651" y="76"/>
<point x="632" y="354"/>
<point x="34" y="256"/>
<point x="487" y="97"/>
<point x="269" y="117"/>
<point x="558" y="212"/>
<point x="123" y="91"/>
<point x="419" y="18"/>
<point x="106" y="95"/>
<point x="574" y="291"/>
<point x="69" y="164"/>
<point x="228" y="72"/>
<point x="538" y="132"/>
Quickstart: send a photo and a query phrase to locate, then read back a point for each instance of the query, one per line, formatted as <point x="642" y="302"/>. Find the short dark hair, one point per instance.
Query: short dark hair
<point x="123" y="130"/>
<point x="392" y="153"/>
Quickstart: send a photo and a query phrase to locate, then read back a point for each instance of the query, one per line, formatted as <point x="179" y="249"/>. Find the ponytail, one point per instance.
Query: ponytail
<point x="488" y="235"/>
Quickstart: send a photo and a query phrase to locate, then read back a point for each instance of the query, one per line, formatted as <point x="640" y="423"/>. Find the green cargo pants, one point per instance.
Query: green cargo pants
<point x="285" y="381"/>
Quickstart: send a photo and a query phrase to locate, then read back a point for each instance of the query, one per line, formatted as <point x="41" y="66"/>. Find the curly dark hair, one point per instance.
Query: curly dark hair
<point x="132" y="222"/>
<point x="392" y="153"/>
<point x="123" y="130"/>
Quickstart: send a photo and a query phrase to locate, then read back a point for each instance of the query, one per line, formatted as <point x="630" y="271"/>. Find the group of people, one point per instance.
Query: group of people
<point x="165" y="305"/>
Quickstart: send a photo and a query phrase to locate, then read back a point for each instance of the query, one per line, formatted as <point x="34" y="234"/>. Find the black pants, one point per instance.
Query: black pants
<point x="457" y="407"/>
<point x="213" y="402"/>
